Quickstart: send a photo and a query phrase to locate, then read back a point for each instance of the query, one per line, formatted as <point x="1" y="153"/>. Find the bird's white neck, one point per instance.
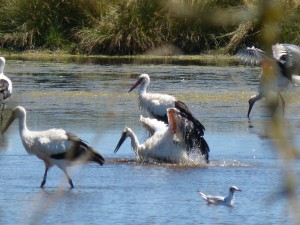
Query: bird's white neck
<point x="22" y="124"/>
<point x="143" y="89"/>
<point x="134" y="141"/>
<point x="1" y="68"/>
<point x="230" y="197"/>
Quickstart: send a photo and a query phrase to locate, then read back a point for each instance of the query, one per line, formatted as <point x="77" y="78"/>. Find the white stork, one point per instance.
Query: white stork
<point x="54" y="146"/>
<point x="167" y="142"/>
<point x="284" y="65"/>
<point x="5" y="88"/>
<point x="219" y="200"/>
<point x="157" y="104"/>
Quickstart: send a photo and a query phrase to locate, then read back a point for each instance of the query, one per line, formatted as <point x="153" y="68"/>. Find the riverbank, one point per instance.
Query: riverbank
<point x="205" y="59"/>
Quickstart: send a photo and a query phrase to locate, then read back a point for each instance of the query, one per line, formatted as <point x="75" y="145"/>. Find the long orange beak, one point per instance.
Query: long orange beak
<point x="172" y="121"/>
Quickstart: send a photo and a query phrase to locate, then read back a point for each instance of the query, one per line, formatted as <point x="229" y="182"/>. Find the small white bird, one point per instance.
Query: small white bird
<point x="5" y="88"/>
<point x="157" y="104"/>
<point x="166" y="142"/>
<point x="54" y="146"/>
<point x="278" y="71"/>
<point x="219" y="200"/>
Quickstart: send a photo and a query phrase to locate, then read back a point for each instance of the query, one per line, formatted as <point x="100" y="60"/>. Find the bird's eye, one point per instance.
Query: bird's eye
<point x="283" y="58"/>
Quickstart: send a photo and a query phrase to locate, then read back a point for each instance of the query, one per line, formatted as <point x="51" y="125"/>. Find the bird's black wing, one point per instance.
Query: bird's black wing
<point x="80" y="149"/>
<point x="194" y="142"/>
<point x="4" y="93"/>
<point x="252" y="56"/>
<point x="193" y="131"/>
<point x="186" y="113"/>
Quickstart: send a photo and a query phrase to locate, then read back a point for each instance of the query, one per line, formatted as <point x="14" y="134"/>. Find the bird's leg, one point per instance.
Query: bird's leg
<point x="69" y="179"/>
<point x="1" y="116"/>
<point x="45" y="176"/>
<point x="252" y="100"/>
<point x="283" y="102"/>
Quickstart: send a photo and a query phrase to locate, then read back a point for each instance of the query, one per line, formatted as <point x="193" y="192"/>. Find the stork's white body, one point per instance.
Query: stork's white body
<point x="5" y="88"/>
<point x="165" y="144"/>
<point x="46" y="143"/>
<point x="157" y="104"/>
<point x="4" y="78"/>
<point x="160" y="147"/>
<point x="54" y="146"/>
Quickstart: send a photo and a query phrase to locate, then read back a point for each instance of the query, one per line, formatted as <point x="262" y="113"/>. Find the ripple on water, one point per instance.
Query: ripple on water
<point x="134" y="162"/>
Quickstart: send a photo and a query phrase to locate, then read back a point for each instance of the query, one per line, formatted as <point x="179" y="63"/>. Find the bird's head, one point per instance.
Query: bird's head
<point x="233" y="189"/>
<point x="143" y="80"/>
<point x="17" y="112"/>
<point x="122" y="139"/>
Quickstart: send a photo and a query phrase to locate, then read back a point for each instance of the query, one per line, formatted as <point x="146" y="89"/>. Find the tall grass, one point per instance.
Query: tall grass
<point x="138" y="26"/>
<point x="127" y="28"/>
<point x="37" y="23"/>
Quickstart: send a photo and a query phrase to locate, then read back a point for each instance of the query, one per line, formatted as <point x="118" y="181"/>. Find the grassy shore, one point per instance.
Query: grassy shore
<point x="205" y="59"/>
<point x="118" y="27"/>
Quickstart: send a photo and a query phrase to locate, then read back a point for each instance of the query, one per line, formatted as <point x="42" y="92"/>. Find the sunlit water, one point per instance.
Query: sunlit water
<point x="91" y="100"/>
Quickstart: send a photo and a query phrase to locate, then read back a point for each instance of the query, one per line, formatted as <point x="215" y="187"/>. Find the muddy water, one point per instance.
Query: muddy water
<point x="91" y="100"/>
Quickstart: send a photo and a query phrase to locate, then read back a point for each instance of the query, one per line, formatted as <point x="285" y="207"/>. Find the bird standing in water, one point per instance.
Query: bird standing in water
<point x="157" y="104"/>
<point x="5" y="88"/>
<point x="278" y="71"/>
<point x="54" y="146"/>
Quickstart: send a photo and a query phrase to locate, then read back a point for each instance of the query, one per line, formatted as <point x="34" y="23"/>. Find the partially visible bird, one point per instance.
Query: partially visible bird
<point x="219" y="200"/>
<point x="54" y="146"/>
<point x="157" y="104"/>
<point x="166" y="142"/>
<point x="5" y="88"/>
<point x="278" y="71"/>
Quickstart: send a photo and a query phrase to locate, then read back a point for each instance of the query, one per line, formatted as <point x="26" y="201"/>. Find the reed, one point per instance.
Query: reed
<point x="49" y="24"/>
<point x="121" y="27"/>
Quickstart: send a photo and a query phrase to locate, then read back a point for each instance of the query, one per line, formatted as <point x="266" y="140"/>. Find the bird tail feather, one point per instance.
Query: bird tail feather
<point x="95" y="157"/>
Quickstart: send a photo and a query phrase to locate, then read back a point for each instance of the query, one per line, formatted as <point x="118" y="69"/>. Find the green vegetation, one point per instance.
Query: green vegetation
<point x="160" y="27"/>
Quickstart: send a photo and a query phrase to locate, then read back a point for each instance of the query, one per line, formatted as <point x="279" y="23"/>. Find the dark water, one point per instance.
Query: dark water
<point x="92" y="101"/>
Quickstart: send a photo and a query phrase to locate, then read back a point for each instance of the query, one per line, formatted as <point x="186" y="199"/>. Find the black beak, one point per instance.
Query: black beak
<point x="135" y="85"/>
<point x="122" y="139"/>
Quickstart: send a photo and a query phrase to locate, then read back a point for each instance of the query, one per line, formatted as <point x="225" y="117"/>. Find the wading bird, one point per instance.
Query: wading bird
<point x="54" y="146"/>
<point x="5" y="88"/>
<point x="278" y="71"/>
<point x="157" y="104"/>
<point x="218" y="200"/>
<point x="167" y="142"/>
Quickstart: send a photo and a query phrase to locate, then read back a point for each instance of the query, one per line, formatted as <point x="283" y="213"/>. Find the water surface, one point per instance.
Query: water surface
<point x="91" y="100"/>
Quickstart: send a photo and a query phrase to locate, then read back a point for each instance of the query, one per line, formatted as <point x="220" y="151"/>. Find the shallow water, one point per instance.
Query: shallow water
<point x="91" y="100"/>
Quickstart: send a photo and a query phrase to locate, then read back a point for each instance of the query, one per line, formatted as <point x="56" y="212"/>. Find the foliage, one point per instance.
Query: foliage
<point x="121" y="27"/>
<point x="35" y="23"/>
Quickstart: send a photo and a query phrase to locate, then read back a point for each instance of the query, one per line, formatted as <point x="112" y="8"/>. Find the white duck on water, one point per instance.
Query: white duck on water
<point x="54" y="146"/>
<point x="167" y="142"/>
<point x="157" y="104"/>
<point x="219" y="200"/>
<point x="278" y="71"/>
